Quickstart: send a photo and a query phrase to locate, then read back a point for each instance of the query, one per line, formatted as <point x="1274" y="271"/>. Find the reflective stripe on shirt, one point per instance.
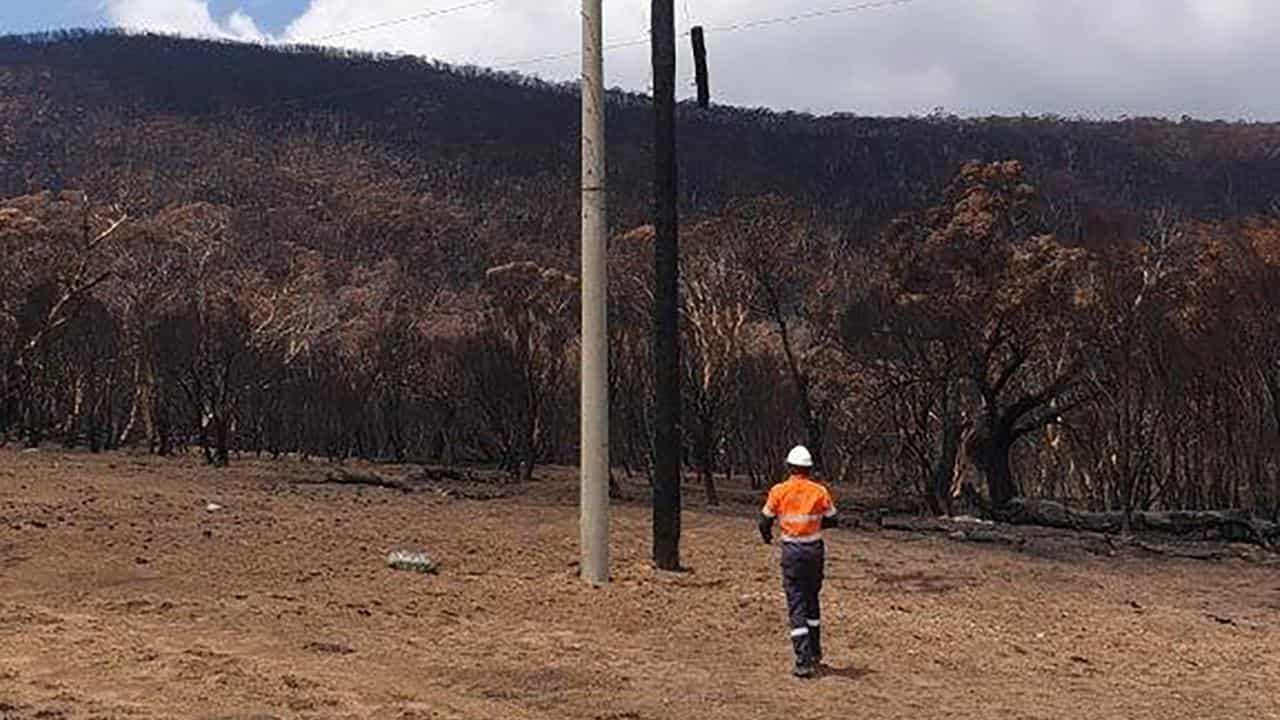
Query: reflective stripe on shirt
<point x="800" y="505"/>
<point x="801" y="518"/>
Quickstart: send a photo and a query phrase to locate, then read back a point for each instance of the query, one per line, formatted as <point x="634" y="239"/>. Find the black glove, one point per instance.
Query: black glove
<point x="830" y="522"/>
<point x="766" y="529"/>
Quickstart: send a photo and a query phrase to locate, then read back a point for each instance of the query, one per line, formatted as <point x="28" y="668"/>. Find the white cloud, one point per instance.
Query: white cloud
<point x="182" y="17"/>
<point x="242" y="26"/>
<point x="1211" y="58"/>
<point x="509" y="30"/>
<point x="1094" y="57"/>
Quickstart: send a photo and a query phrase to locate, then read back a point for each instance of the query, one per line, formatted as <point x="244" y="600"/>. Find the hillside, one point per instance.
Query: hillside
<point x="75" y="102"/>
<point x="263" y="250"/>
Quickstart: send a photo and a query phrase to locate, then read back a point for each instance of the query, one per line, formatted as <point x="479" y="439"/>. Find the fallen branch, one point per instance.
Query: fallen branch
<point x="962" y="531"/>
<point x="1057" y="538"/>
<point x="1224" y="525"/>
<point x="346" y="477"/>
<point x="914" y="525"/>
<point x="1184" y="553"/>
<point x="990" y="537"/>
<point x="427" y="475"/>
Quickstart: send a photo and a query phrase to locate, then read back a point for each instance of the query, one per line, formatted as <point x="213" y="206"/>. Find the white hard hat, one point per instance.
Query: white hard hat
<point x="800" y="457"/>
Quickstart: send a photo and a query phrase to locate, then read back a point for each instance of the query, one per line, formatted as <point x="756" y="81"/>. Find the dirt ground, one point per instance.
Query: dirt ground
<point x="122" y="596"/>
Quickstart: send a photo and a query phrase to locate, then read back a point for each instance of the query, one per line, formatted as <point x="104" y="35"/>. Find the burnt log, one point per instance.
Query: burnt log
<point x="1224" y="525"/>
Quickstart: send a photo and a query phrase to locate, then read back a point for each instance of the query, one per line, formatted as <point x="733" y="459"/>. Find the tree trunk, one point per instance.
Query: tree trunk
<point x="709" y="483"/>
<point x="525" y="454"/>
<point x="813" y="423"/>
<point x="437" y="445"/>
<point x="939" y="497"/>
<point x="158" y="432"/>
<point x="1000" y="484"/>
<point x="989" y="450"/>
<point x="206" y="446"/>
<point x="705" y="451"/>
<point x="222" y="441"/>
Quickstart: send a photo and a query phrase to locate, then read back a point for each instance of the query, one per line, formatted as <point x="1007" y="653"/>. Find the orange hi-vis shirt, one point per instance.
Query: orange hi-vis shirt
<point x="799" y="504"/>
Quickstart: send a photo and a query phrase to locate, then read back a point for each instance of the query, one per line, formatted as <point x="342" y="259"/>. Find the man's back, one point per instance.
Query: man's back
<point x="800" y="504"/>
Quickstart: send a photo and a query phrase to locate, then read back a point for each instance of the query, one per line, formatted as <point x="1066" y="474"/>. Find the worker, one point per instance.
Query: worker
<point x="802" y="508"/>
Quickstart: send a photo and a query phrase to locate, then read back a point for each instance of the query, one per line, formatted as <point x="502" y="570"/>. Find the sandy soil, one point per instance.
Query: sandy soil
<point x="121" y="596"/>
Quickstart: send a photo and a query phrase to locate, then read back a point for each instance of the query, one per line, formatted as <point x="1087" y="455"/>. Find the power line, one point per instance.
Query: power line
<point x="736" y="27"/>
<point x="399" y="21"/>
<point x="551" y="57"/>
<point x="506" y="65"/>
<point x="814" y="14"/>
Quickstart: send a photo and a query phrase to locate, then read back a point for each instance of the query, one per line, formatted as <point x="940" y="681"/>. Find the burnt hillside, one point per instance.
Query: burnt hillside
<point x="76" y="102"/>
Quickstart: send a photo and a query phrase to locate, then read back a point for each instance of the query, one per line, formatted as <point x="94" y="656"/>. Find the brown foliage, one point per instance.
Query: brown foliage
<point x="330" y="280"/>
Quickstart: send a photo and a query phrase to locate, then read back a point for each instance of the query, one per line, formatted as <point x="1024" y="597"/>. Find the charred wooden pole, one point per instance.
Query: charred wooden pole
<point x="666" y="306"/>
<point x="700" y="66"/>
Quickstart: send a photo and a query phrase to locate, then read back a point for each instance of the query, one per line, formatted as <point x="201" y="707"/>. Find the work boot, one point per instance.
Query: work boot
<point x="815" y="645"/>
<point x="805" y="666"/>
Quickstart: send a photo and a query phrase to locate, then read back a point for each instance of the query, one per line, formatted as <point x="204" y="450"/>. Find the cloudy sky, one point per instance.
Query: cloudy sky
<point x="1099" y="58"/>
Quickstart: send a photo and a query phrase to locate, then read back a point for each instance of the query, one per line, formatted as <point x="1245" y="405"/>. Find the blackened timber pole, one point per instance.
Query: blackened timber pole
<point x="666" y="306"/>
<point x="700" y="66"/>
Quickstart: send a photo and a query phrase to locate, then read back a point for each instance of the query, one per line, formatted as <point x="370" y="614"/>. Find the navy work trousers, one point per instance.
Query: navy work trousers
<point x="802" y="569"/>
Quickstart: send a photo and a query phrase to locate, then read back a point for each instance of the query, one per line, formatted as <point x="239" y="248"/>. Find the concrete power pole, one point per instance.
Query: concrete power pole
<point x="594" y="464"/>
